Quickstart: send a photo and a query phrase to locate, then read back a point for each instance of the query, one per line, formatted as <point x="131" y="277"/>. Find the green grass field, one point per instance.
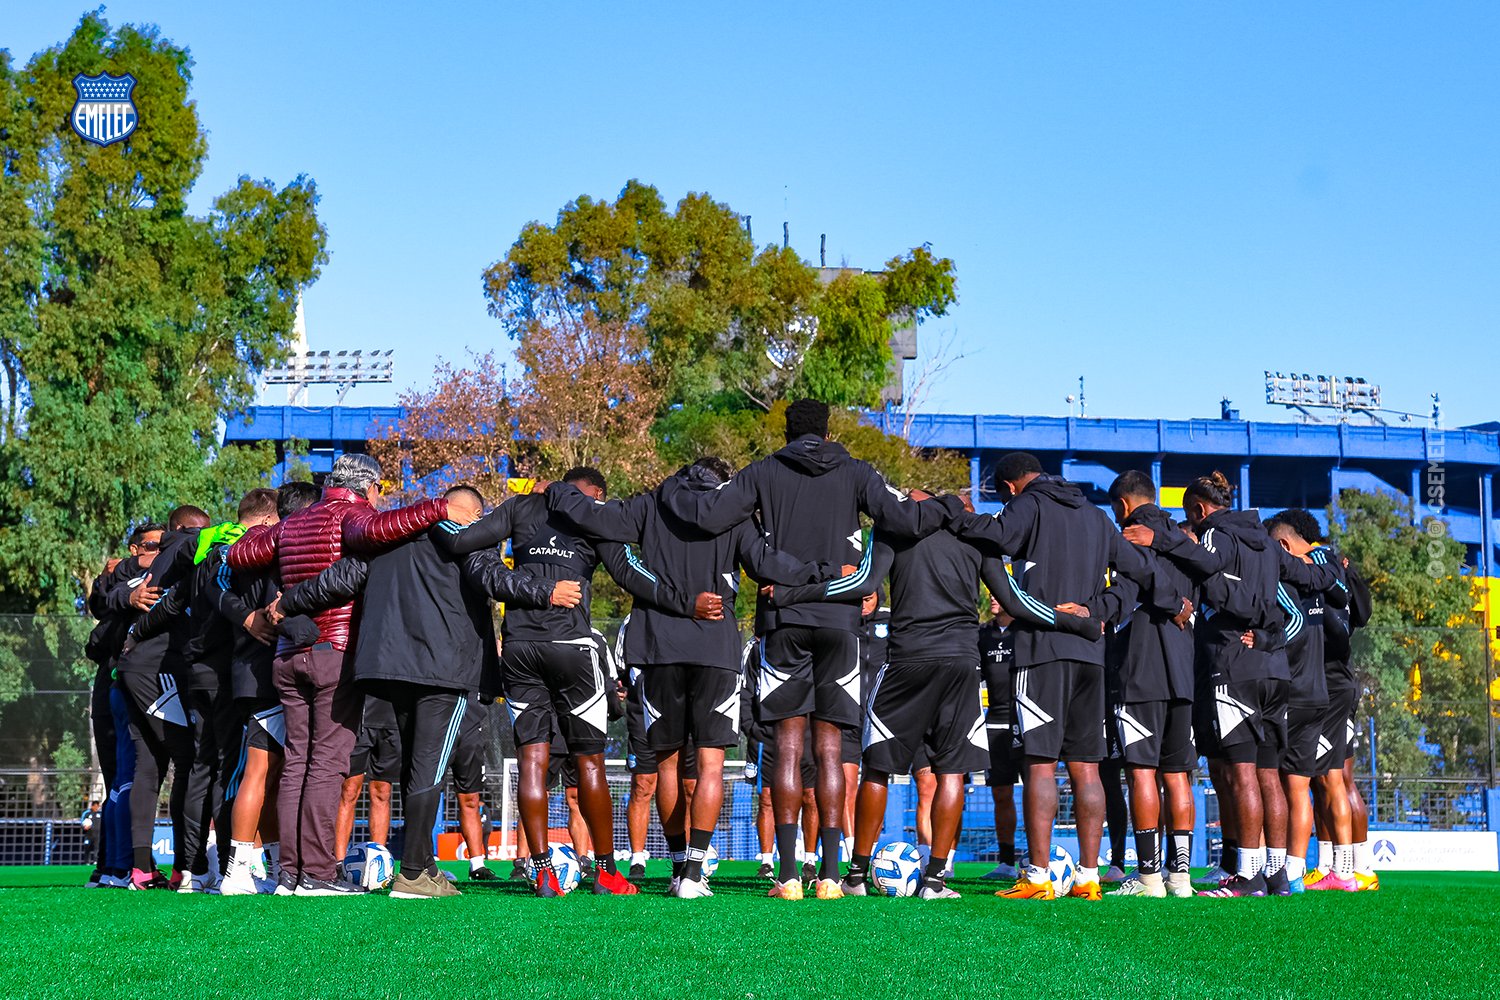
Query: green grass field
<point x="1421" y="935"/>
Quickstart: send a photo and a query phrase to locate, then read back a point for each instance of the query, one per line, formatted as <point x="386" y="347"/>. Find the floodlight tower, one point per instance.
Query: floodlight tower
<point x="344" y="369"/>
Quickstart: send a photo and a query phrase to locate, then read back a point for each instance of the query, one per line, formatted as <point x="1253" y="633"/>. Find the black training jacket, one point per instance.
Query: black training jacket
<point x="108" y="636"/>
<point x="424" y="613"/>
<point x="1152" y="656"/>
<point x="997" y="655"/>
<point x="1062" y="548"/>
<point x="1339" y="625"/>
<point x="810" y="495"/>
<point x="547" y="546"/>
<point x="692" y="560"/>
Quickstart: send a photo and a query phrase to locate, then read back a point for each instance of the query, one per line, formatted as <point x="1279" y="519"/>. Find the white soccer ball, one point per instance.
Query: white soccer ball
<point x="1060" y="867"/>
<point x="710" y="862"/>
<point x="896" y="869"/>
<point x="565" y="863"/>
<point x="370" y="865"/>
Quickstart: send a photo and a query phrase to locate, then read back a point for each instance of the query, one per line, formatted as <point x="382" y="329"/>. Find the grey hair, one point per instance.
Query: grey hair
<point x="354" y="472"/>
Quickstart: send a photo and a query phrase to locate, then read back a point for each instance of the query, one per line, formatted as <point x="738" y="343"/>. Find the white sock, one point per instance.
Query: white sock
<point x="1364" y="860"/>
<point x="639" y="857"/>
<point x="475" y="864"/>
<point x="273" y="859"/>
<point x="1252" y="861"/>
<point x="241" y="853"/>
<point x="810" y="857"/>
<point x="1325" y="855"/>
<point x="765" y="858"/>
<point x="1037" y="875"/>
<point x="1086" y="875"/>
<point x="1275" y="859"/>
<point x="1343" y="860"/>
<point x="1295" y="867"/>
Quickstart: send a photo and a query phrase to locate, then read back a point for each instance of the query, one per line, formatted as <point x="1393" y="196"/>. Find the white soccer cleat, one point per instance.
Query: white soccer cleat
<point x="1142" y="885"/>
<point x="1002" y="872"/>
<point x="241" y="881"/>
<point x="692" y="888"/>
<point x="1179" y="885"/>
<point x="929" y="892"/>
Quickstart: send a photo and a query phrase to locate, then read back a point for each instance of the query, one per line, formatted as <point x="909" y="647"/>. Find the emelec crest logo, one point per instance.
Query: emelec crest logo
<point x="105" y="111"/>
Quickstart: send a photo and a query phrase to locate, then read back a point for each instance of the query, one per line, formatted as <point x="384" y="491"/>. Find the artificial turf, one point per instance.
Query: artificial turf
<point x="1421" y="935"/>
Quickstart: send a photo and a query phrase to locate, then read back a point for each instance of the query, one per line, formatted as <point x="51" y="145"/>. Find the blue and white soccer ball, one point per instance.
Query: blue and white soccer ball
<point x="567" y="866"/>
<point x="1060" y="867"/>
<point x="370" y="865"/>
<point x="710" y="862"/>
<point x="896" y="869"/>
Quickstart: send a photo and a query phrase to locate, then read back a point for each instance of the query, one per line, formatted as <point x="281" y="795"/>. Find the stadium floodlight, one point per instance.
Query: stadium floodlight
<point x="1343" y="394"/>
<point x="344" y="369"/>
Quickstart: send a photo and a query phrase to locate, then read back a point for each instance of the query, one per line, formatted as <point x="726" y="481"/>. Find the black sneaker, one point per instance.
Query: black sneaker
<point x="809" y="871"/>
<point x="1278" y="884"/>
<point x="637" y="871"/>
<point x="1238" y="886"/>
<point x="309" y="886"/>
<point x="765" y="871"/>
<point x="95" y="879"/>
<point x="485" y="874"/>
<point x="518" y="872"/>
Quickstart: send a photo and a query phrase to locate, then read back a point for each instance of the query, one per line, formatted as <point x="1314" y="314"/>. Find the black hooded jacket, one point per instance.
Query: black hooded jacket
<point x="547" y="546"/>
<point x="1062" y="548"/>
<point x="691" y="559"/>
<point x="810" y="495"/>
<point x="1153" y="656"/>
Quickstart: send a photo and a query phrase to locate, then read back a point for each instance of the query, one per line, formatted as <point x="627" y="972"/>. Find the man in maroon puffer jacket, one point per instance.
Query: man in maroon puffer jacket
<point x="315" y="682"/>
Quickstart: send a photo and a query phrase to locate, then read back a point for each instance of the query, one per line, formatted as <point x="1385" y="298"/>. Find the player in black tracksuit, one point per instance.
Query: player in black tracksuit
<point x="1064" y="548"/>
<point x="426" y="644"/>
<point x="149" y="671"/>
<point x="760" y="764"/>
<point x="809" y="496"/>
<point x="1341" y="815"/>
<point x="997" y="656"/>
<point x="1151" y="651"/>
<point x="926" y="696"/>
<point x="550" y="668"/>
<point x="691" y="664"/>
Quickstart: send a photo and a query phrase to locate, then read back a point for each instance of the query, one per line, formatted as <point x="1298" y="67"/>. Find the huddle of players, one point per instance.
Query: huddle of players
<point x="423" y="642"/>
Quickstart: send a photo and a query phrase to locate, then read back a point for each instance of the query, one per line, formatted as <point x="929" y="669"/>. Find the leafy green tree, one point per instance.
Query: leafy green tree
<point x="128" y="326"/>
<point x="1423" y="658"/>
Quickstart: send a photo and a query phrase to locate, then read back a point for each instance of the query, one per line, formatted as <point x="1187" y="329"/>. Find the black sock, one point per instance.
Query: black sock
<point x="832" y="839"/>
<point x="542" y="862"/>
<point x="787" y="866"/>
<point x="1008" y="853"/>
<point x="607" y="862"/>
<point x="934" y="872"/>
<point x="1229" y="855"/>
<point x="1147" y="862"/>
<point x="1117" y="850"/>
<point x="144" y="859"/>
<point x="859" y="868"/>
<point x="696" y="851"/>
<point x="1182" y="851"/>
<point x="677" y="847"/>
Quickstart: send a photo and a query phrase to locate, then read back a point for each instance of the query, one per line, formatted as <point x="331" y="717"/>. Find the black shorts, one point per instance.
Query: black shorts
<point x="1302" y="733"/>
<point x="265" y="724"/>
<point x="377" y="754"/>
<point x="1156" y="734"/>
<point x="690" y="704"/>
<point x="931" y="702"/>
<point x="1005" y="757"/>
<point x="1336" y="732"/>
<point x="555" y="688"/>
<point x="640" y="757"/>
<point x="467" y="761"/>
<point x="1060" y="711"/>
<point x="1250" y="722"/>
<point x="810" y="671"/>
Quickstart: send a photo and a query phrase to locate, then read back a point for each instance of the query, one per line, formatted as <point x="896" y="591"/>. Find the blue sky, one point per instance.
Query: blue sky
<point x="1165" y="198"/>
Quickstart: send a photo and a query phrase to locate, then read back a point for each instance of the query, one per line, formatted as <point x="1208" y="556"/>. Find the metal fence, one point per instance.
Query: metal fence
<point x="1425" y="752"/>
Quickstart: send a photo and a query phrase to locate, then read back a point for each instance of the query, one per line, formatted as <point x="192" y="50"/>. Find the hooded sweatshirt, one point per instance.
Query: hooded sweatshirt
<point x="1153" y="655"/>
<point x="810" y="495"/>
<point x="693" y="560"/>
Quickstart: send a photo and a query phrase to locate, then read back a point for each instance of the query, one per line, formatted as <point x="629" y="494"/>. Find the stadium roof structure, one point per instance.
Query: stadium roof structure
<point x="1276" y="464"/>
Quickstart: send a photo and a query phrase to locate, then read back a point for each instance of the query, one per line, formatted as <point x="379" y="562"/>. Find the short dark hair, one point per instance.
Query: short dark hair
<point x="140" y="533"/>
<point x="258" y="502"/>
<point x="1300" y="523"/>
<point x="1212" y="489"/>
<point x="181" y="516"/>
<point x="465" y="488"/>
<point x="716" y="467"/>
<point x="1132" y="483"/>
<point x="586" y="474"/>
<point x="1016" y="465"/>
<point x="294" y="495"/>
<point x="806" y="416"/>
